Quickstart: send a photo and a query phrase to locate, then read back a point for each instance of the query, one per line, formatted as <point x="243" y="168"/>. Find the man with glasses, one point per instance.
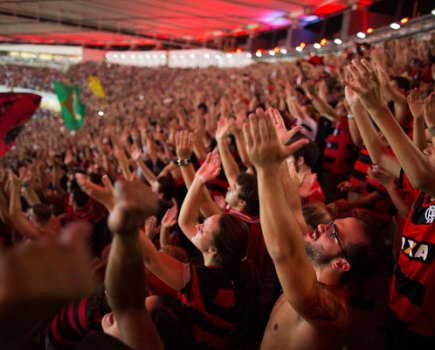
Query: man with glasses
<point x="313" y="312"/>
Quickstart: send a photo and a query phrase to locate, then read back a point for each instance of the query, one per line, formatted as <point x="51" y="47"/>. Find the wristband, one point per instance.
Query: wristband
<point x="181" y="162"/>
<point x="432" y="131"/>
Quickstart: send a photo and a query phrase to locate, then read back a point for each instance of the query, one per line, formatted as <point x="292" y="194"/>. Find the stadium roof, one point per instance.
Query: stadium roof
<point x="174" y="23"/>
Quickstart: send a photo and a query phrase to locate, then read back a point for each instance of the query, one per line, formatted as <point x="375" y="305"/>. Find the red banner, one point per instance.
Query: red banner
<point x="15" y="110"/>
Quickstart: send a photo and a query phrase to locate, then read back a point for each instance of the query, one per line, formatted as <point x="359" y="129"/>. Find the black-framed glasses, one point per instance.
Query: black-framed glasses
<point x="332" y="232"/>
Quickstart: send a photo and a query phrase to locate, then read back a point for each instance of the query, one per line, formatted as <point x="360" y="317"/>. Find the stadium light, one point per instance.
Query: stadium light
<point x="248" y="55"/>
<point x="433" y="12"/>
<point x="229" y="55"/>
<point x="361" y="35"/>
<point x="323" y="42"/>
<point x="283" y="51"/>
<point x="395" y="26"/>
<point x="338" y="41"/>
<point x="370" y="31"/>
<point x="317" y="46"/>
<point x="299" y="49"/>
<point x="272" y="53"/>
<point x="100" y="113"/>
<point x="207" y="56"/>
<point x="258" y="53"/>
<point x="404" y="20"/>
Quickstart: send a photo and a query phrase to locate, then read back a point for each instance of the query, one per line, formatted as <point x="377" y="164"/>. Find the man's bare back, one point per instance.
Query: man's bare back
<point x="287" y="330"/>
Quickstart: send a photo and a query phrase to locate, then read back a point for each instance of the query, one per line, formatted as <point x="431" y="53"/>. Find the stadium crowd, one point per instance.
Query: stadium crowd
<point x="223" y="208"/>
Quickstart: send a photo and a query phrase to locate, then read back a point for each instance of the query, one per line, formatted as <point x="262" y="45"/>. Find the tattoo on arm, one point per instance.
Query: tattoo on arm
<point x="325" y="307"/>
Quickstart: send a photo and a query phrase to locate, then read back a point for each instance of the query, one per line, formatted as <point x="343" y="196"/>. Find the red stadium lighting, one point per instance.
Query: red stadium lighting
<point x="404" y="20"/>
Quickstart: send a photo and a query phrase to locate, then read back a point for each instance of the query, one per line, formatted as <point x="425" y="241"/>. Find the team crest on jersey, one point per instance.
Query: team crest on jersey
<point x="429" y="214"/>
<point x="421" y="251"/>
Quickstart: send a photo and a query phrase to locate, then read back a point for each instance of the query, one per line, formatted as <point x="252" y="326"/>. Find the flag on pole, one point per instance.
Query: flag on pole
<point x="15" y="110"/>
<point x="94" y="84"/>
<point x="73" y="110"/>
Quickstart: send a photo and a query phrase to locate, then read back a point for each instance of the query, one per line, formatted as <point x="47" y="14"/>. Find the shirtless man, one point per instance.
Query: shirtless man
<point x="313" y="311"/>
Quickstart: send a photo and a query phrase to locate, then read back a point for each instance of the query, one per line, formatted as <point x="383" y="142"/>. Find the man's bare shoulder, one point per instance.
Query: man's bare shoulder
<point x="330" y="308"/>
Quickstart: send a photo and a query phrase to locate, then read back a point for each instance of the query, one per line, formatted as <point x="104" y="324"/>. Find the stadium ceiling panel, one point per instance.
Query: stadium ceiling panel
<point x="178" y="23"/>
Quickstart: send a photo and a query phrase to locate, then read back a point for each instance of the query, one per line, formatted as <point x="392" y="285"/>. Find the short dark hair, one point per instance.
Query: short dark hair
<point x="310" y="151"/>
<point x="402" y="82"/>
<point x="42" y="212"/>
<point x="79" y="197"/>
<point x="167" y="187"/>
<point x="364" y="257"/>
<point x="249" y="193"/>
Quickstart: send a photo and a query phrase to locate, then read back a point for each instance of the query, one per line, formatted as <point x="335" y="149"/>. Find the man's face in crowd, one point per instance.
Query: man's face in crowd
<point x="327" y="241"/>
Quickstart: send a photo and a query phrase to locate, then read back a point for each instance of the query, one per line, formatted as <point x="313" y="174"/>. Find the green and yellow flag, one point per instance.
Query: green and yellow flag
<point x="73" y="110"/>
<point x="94" y="84"/>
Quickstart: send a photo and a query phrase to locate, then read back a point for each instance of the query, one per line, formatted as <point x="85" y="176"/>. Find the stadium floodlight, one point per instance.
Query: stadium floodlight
<point x="361" y="35"/>
<point x="317" y="46"/>
<point x="395" y="26"/>
<point x="272" y="53"/>
<point x="283" y="51"/>
<point x="299" y="49"/>
<point x="338" y="41"/>
<point x="249" y="55"/>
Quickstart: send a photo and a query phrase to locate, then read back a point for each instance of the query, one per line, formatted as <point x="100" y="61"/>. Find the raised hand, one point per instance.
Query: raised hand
<point x="263" y="145"/>
<point x="280" y="127"/>
<point x="351" y="97"/>
<point x="134" y="202"/>
<point x="101" y="194"/>
<point x="183" y="144"/>
<point x="150" y="227"/>
<point x="415" y="102"/>
<point x="367" y="85"/>
<point x="381" y="175"/>
<point x="429" y="110"/>
<point x="170" y="218"/>
<point x="37" y="279"/>
<point x="135" y="152"/>
<point x="210" y="169"/>
<point x="222" y="128"/>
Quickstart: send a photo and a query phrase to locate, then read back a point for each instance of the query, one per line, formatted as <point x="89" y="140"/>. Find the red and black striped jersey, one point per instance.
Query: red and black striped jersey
<point x="338" y="156"/>
<point x="413" y="284"/>
<point x="359" y="171"/>
<point x="73" y="322"/>
<point x="209" y="300"/>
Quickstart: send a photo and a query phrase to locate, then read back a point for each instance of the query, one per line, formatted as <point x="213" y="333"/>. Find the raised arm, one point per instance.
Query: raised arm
<point x="190" y="209"/>
<point x="184" y="151"/>
<point x="415" y="102"/>
<point x="125" y="276"/>
<point x="136" y="155"/>
<point x="240" y="141"/>
<point x="282" y="234"/>
<point x="21" y="223"/>
<point x="231" y="169"/>
<point x="376" y="148"/>
<point x="415" y="164"/>
<point x="386" y="179"/>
